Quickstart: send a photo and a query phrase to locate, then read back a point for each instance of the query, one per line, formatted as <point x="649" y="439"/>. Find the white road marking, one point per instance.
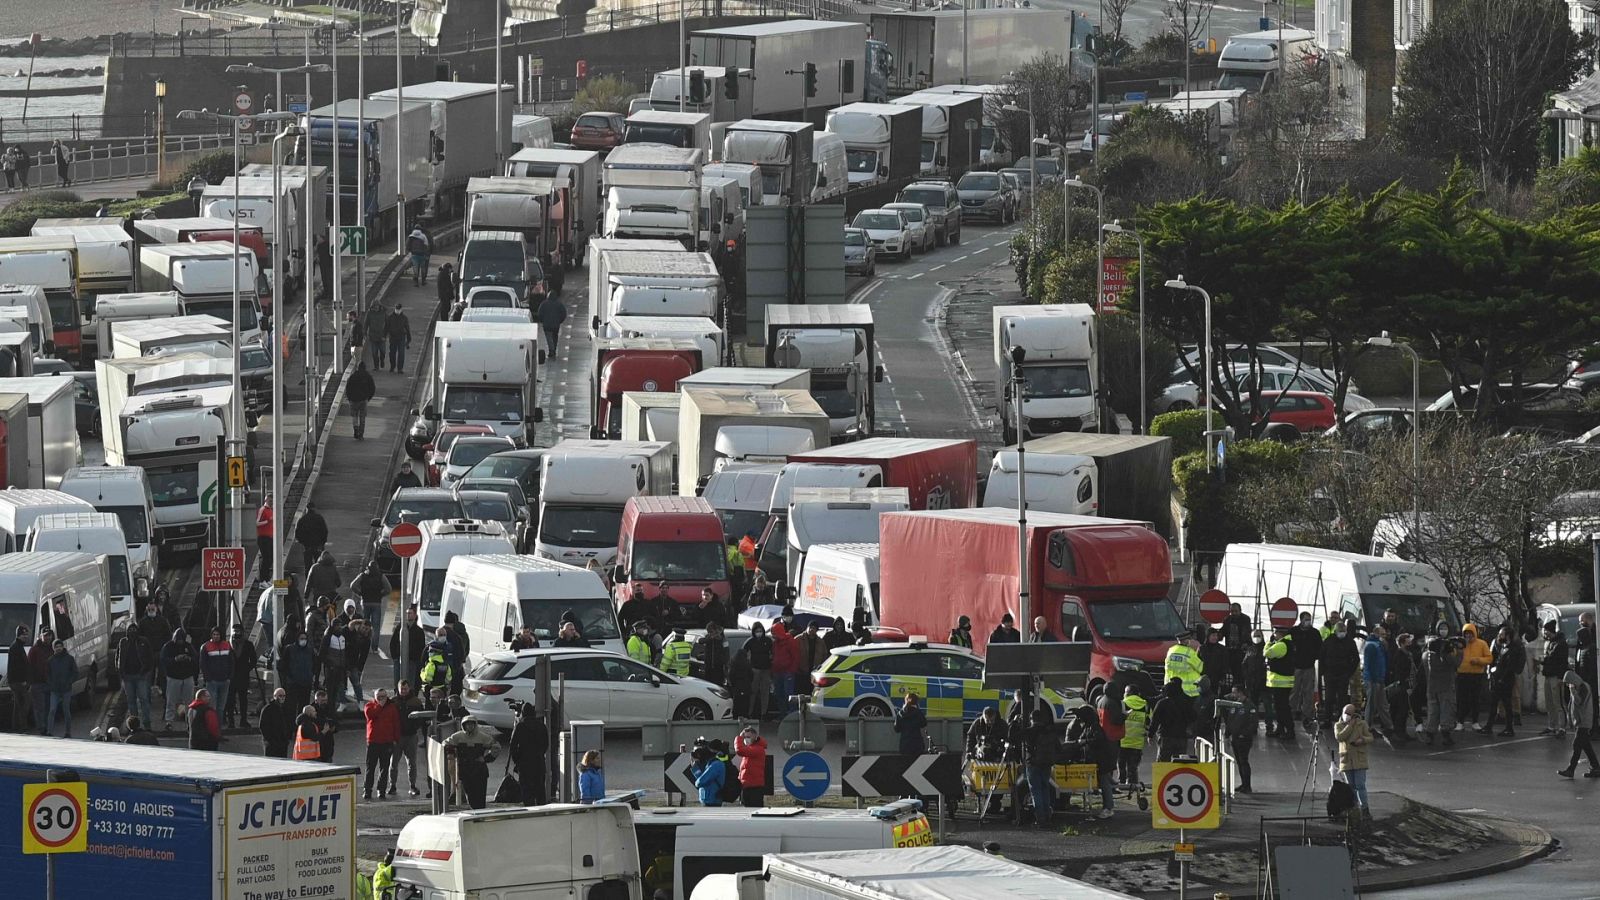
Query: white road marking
<point x="938" y="267"/>
<point x="916" y="276"/>
<point x="1526" y="740"/>
<point x="861" y="295"/>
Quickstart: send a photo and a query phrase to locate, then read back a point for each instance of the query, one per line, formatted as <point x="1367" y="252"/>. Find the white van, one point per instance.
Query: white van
<point x="442" y="541"/>
<point x="1064" y="483"/>
<point x="124" y="492"/>
<point x="833" y="179"/>
<point x="97" y="533"/>
<point x="496" y="595"/>
<point x="531" y="133"/>
<point x="742" y="498"/>
<point x="19" y="507"/>
<point x="66" y="593"/>
<point x="1324" y="582"/>
<point x="840" y="581"/>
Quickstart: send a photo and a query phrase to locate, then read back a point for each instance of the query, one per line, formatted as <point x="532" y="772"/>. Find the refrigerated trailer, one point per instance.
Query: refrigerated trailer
<point x="464" y="123"/>
<point x="927" y="46"/>
<point x="384" y="123"/>
<point x="771" y="56"/>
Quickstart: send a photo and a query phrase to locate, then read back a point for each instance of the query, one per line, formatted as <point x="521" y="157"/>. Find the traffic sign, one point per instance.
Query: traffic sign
<point x="536" y="66"/>
<point x="350" y="239"/>
<point x="676" y="777"/>
<point x="1284" y="612"/>
<point x="405" y="540"/>
<point x="1186" y="796"/>
<point x="807" y="776"/>
<point x="1214" y="606"/>
<point x="242" y="102"/>
<point x="53" y="817"/>
<point x="581" y="69"/>
<point x="222" y="569"/>
<point x="236" y="471"/>
<point x="298" y="103"/>
<point x="927" y="775"/>
<point x="1136" y="97"/>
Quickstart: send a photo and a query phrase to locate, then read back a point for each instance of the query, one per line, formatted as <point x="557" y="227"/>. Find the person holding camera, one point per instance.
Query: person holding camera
<point x="1440" y="663"/>
<point x="474" y="750"/>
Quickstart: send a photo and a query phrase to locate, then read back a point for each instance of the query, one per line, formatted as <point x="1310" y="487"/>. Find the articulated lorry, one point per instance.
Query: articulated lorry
<point x="835" y="341"/>
<point x="625" y="365"/>
<point x="385" y="123"/>
<point x="941" y="474"/>
<point x="771" y="56"/>
<point x="258" y="206"/>
<point x="882" y="142"/>
<point x="653" y="283"/>
<point x="159" y="825"/>
<point x="203" y="276"/>
<point x="928" y="46"/>
<point x="487" y="374"/>
<point x="731" y="426"/>
<point x="781" y="150"/>
<point x="951" y="126"/>
<point x="199" y="229"/>
<point x="579" y="172"/>
<point x="1061" y="380"/>
<point x="653" y="191"/>
<point x="583" y="489"/>
<point x="464" y="128"/>
<point x="994" y="150"/>
<point x="537" y="208"/>
<point x="107" y="263"/>
<point x="173" y="436"/>
<point x="52" y="264"/>
<point x="1126" y="476"/>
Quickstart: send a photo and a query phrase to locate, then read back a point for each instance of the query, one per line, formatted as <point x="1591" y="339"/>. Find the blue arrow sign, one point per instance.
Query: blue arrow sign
<point x="806" y="776"/>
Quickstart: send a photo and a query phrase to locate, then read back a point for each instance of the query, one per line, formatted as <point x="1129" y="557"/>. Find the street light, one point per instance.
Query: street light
<point x="236" y="406"/>
<point x="1178" y="284"/>
<point x="1099" y="223"/>
<point x="278" y="301"/>
<point x="1033" y="173"/>
<point x="1018" y="357"/>
<point x="1115" y="227"/>
<point x="277" y="75"/>
<point x="161" y="128"/>
<point x="1384" y="340"/>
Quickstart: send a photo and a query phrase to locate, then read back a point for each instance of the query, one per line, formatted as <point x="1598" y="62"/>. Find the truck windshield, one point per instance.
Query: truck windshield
<point x="597" y="619"/>
<point x="1136" y="620"/>
<point x="1418" y="613"/>
<point x="431" y="591"/>
<point x="859" y="160"/>
<point x="174" y="485"/>
<point x="580" y="526"/>
<point x="671" y="135"/>
<point x="834" y="398"/>
<point x="986" y="137"/>
<point x="223" y="309"/>
<point x="1057" y="381"/>
<point x="135" y="529"/>
<point x="496" y="261"/>
<point x="1249" y="81"/>
<point x="16" y="615"/>
<point x="678" y="561"/>
<point x="475" y="403"/>
<point x="736" y="523"/>
<point x="930" y="149"/>
<point x="121" y="585"/>
<point x="63" y="309"/>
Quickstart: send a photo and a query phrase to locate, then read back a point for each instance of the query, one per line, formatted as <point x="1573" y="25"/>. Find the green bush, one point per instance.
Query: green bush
<point x="1186" y="428"/>
<point x="608" y="93"/>
<point x="213" y="167"/>
<point x="1211" y="498"/>
<point x="17" y="219"/>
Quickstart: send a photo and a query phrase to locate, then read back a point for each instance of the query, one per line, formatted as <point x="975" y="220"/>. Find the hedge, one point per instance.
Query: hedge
<point x="1209" y="498"/>
<point x="1186" y="427"/>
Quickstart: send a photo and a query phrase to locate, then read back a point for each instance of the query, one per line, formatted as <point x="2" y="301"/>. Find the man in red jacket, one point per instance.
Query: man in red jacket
<point x="205" y="728"/>
<point x="751" y="748"/>
<point x="383" y="732"/>
<point x="785" y="664"/>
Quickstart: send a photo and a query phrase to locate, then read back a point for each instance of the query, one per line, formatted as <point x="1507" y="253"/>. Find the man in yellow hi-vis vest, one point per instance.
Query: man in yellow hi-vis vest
<point x="1280" y="680"/>
<point x="1183" y="663"/>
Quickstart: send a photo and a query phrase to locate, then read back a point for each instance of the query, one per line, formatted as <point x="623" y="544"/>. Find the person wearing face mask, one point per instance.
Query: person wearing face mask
<point x="961" y="635"/>
<point x="1253" y="677"/>
<point x="758" y="650"/>
<point x="1354" y="738"/>
<point x="297" y="666"/>
<point x="178" y="669"/>
<point x="276" y="724"/>
<point x="474" y="750"/>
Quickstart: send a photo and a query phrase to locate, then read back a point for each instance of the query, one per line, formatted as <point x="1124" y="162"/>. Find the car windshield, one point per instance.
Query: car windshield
<point x="135" y="527"/>
<point x="488" y="509"/>
<point x="883" y="221"/>
<point x="470" y="453"/>
<point x="1136" y="620"/>
<point x="431" y="591"/>
<point x="1057" y="381"/>
<point x="223" y="309"/>
<point x="254" y="357"/>
<point x="678" y="561"/>
<point x="912" y="214"/>
<point x="510" y="489"/>
<point x="580" y="526"/>
<point x="979" y="181"/>
<point x="1249" y="81"/>
<point x="483" y="403"/>
<point x="855" y="239"/>
<point x="174" y="485"/>
<point x="1047" y="167"/>
<point x="597" y="618"/>
<point x="862" y="160"/>
<point x="929" y="198"/>
<point x="420" y="509"/>
<point x="1023" y="176"/>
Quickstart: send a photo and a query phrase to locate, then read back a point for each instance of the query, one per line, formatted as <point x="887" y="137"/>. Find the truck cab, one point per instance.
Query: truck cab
<point x="583" y="490"/>
<point x="624" y="365"/>
<point x="173" y="437"/>
<point x="675" y="545"/>
<point x="1060" y="392"/>
<point x="487" y="374"/>
<point x="1057" y="482"/>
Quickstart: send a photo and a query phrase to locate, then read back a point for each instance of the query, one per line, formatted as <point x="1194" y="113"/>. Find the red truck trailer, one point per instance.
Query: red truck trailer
<point x="940" y="474"/>
<point x="634" y="364"/>
<point x="673" y="544"/>
<point x="1099" y="580"/>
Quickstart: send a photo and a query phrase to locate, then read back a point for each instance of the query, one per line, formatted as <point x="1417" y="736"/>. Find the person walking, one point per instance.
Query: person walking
<point x="64" y="157"/>
<point x="418" y="247"/>
<point x="530" y="748"/>
<point x="136" y="662"/>
<point x="357" y="650"/>
<point x="474" y="750"/>
<point x="1553" y="668"/>
<point x="323" y="255"/>
<point x="404" y="478"/>
<point x="359" y="391"/>
<point x="1171" y="721"/>
<point x="216" y="667"/>
<point x="311" y="533"/>
<point x="323" y="580"/>
<point x="1510" y="658"/>
<point x="24" y="165"/>
<point x="1583" y="718"/>
<point x="911" y="723"/>
<point x="759" y="650"/>
<point x="297" y="667"/>
<point x="551" y="313"/>
<point x="399" y="337"/>
<point x="17" y="679"/>
<point x="205" y="729"/>
<point x="751" y="748"/>
<point x="1354" y="738"/>
<point x="1240" y="723"/>
<point x="179" y="666"/>
<point x="1130" y="747"/>
<point x="709" y="776"/>
<point x="376" y="323"/>
<point x="264" y="516"/>
<point x="245" y="657"/>
<point x="276" y="725"/>
<point x="372" y="588"/>
<point x="1475" y="660"/>
<point x="383" y="732"/>
<point x="63" y="675"/>
<point x="196" y="189"/>
<point x="407" y="705"/>
<point x="8" y="162"/>
<point x="39" y="678"/>
<point x="591" y="778"/>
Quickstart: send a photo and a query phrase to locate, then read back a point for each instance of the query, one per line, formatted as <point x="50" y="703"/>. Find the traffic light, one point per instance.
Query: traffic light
<point x="730" y="84"/>
<point x="847" y="76"/>
<point x="697" y="86"/>
<point x="811" y="80"/>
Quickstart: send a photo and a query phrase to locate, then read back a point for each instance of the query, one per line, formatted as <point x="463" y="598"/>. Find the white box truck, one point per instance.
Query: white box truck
<point x="653" y="283"/>
<point x="51" y="263"/>
<point x="135" y="307"/>
<point x="882" y="141"/>
<point x="107" y="259"/>
<point x="52" y="426"/>
<point x="583" y="488"/>
<point x="685" y="130"/>
<point x="579" y="170"/>
<point x="653" y="191"/>
<point x="781" y="150"/>
<point x="838" y="515"/>
<point x="726" y="426"/>
<point x="836" y="342"/>
<point x="705" y="334"/>
<point x="486" y="374"/>
<point x="950" y="131"/>
<point x="203" y="276"/>
<point x="464" y="119"/>
<point x="173" y="437"/>
<point x="143" y="337"/>
<point x="1061" y="390"/>
<point x="375" y="136"/>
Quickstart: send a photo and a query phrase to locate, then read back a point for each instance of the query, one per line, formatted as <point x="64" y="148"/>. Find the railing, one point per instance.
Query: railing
<point x="653" y="13"/>
<point x="1206" y="751"/>
<point x="118" y="160"/>
<point x="255" y="44"/>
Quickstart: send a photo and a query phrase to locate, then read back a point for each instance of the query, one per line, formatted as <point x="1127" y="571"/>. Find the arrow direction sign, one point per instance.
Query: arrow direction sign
<point x="806" y="776"/>
<point x="916" y="775"/>
<point x="676" y="775"/>
<point x="854" y="780"/>
<point x="926" y="775"/>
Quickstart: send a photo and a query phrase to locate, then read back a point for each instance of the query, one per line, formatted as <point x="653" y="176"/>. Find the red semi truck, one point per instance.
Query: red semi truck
<point x="675" y="544"/>
<point x="1099" y="580"/>
<point x="634" y="364"/>
<point x="940" y="474"/>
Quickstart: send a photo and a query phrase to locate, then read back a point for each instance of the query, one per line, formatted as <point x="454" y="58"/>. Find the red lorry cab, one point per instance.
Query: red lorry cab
<point x="675" y="542"/>
<point x="939" y="474"/>
<point x="634" y="364"/>
<point x="1099" y="580"/>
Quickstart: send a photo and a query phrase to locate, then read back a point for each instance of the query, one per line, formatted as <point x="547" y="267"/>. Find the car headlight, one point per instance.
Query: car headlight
<point x="720" y="693"/>
<point x="1126" y="663"/>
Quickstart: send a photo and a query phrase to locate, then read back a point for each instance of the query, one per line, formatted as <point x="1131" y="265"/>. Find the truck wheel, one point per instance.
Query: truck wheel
<point x="692" y="711"/>
<point x="872" y="708"/>
<point x="955" y="238"/>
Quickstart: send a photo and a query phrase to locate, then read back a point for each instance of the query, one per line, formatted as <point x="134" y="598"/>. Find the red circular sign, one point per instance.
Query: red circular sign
<point x="1214" y="606"/>
<point x="1284" y="612"/>
<point x="52" y="831"/>
<point x="1185" y="795"/>
<point x="405" y="540"/>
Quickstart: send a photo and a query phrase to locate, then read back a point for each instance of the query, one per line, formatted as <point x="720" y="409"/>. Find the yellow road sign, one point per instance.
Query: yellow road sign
<point x="236" y="472"/>
<point x="1185" y="795"/>
<point x="54" y="817"/>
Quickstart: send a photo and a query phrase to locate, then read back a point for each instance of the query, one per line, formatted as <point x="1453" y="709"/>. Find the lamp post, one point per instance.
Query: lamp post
<point x="1178" y="284"/>
<point x="161" y="128"/>
<point x="1099" y="229"/>
<point x="277" y="76"/>
<point x="1115" y="227"/>
<point x="1384" y="340"/>
<point x="278" y="301"/>
<point x="1033" y="170"/>
<point x="1018" y="357"/>
<point x="236" y="405"/>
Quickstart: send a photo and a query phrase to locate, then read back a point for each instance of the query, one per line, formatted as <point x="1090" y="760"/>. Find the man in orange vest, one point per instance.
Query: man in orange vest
<point x="264" y="540"/>
<point x="308" y="735"/>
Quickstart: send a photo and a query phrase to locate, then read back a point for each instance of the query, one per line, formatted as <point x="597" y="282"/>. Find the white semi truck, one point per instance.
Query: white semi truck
<point x="731" y="426"/>
<point x="653" y="283"/>
<point x="882" y="141"/>
<point x="1061" y="382"/>
<point x="143" y="337"/>
<point x="173" y="436"/>
<point x="834" y="341"/>
<point x="653" y="191"/>
<point x="583" y="488"/>
<point x="781" y="150"/>
<point x="487" y="374"/>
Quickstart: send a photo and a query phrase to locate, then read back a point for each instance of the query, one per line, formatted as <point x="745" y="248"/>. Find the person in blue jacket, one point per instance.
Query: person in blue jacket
<point x="591" y="778"/>
<point x="709" y="776"/>
<point x="1374" y="671"/>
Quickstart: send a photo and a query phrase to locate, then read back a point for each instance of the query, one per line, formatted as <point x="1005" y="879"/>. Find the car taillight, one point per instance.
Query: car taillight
<point x="824" y="681"/>
<point x="494" y="690"/>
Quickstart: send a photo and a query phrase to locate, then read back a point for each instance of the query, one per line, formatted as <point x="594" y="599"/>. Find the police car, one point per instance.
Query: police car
<point x="870" y="681"/>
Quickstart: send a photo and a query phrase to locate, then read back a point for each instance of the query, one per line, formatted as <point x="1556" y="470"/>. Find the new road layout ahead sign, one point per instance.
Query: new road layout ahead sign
<point x="222" y="569"/>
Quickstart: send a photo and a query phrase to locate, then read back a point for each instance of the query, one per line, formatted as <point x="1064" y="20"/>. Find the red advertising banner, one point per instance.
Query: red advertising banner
<point x="1115" y="279"/>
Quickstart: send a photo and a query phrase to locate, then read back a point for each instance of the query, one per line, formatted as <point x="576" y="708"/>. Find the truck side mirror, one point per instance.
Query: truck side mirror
<point x="877" y="374"/>
<point x="375" y="522"/>
<point x="617" y="575"/>
<point x="884" y="171"/>
<point x="727" y="219"/>
<point x="538" y="414"/>
<point x="596" y="433"/>
<point x="506" y="634"/>
<point x="541" y="357"/>
<point x="940" y="160"/>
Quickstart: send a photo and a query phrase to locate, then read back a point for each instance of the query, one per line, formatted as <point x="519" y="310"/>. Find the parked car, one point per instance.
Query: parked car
<point x="597" y="131"/>
<point x="600" y="686"/>
<point x="944" y="207"/>
<point x="860" y="254"/>
<point x="1022" y="183"/>
<point x="916" y="216"/>
<point x="984" y="195"/>
<point x="439" y="450"/>
<point x="1267" y="353"/>
<point x="887" y="229"/>
<point x="1308" y="411"/>
<point x="466" y="452"/>
<point x="1185" y="394"/>
<point x="412" y="505"/>
<point x="868" y="681"/>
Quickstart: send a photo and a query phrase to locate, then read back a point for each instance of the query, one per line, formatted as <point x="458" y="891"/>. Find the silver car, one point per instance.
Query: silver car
<point x="985" y="195"/>
<point x="860" y="256"/>
<point x="887" y="229"/>
<point x="923" y="236"/>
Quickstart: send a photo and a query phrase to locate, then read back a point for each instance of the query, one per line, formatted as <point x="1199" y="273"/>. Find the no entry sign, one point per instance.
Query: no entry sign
<point x="1214" y="606"/>
<point x="222" y="569"/>
<point x="405" y="540"/>
<point x="1284" y="612"/>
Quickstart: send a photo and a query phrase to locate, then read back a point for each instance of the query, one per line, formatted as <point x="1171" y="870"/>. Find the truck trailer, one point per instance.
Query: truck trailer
<point x="52" y="432"/>
<point x="941" y="474"/>
<point x="951" y="126"/>
<point x="464" y="127"/>
<point x="781" y="150"/>
<point x="579" y="171"/>
<point x="835" y="341"/>
<point x="928" y="46"/>
<point x="52" y="264"/>
<point x="722" y="427"/>
<point x="904" y="873"/>
<point x="1130" y="476"/>
<point x="384" y="124"/>
<point x="770" y="57"/>
<point x="882" y="142"/>
<point x="670" y="282"/>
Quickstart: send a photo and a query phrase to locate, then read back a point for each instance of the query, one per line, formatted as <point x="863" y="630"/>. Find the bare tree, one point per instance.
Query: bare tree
<point x="1054" y="93"/>
<point x="1115" y="11"/>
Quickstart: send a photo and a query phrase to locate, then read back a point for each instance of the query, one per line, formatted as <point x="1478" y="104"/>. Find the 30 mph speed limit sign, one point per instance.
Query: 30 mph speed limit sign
<point x="53" y="817"/>
<point x="1186" y="796"/>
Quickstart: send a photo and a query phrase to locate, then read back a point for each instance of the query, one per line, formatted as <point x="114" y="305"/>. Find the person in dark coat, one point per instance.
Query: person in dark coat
<point x="1216" y="662"/>
<point x="711" y="655"/>
<point x="1253" y="677"/>
<point x="245" y="657"/>
<point x="398" y="331"/>
<point x="1552" y="666"/>
<point x="530" y="746"/>
<point x="311" y="532"/>
<point x="910" y="722"/>
<point x="1510" y="658"/>
<point x="138" y="734"/>
<point x="1099" y="749"/>
<point x="17" y="679"/>
<point x="1171" y="721"/>
<point x="1240" y="724"/>
<point x="1006" y="632"/>
<point x="324" y="580"/>
<point x="838" y="634"/>
<point x="358" y="391"/>
<point x="416" y="643"/>
<point x="328" y="715"/>
<point x="447" y="290"/>
<point x="406" y="477"/>
<point x="324" y="257"/>
<point x="551" y="314"/>
<point x="297" y="667"/>
<point x="276" y="724"/>
<point x="1339" y="661"/>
